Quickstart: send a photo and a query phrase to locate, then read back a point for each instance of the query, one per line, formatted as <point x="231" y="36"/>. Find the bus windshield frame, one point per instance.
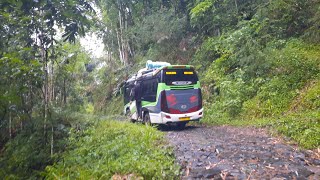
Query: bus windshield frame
<point x="179" y="76"/>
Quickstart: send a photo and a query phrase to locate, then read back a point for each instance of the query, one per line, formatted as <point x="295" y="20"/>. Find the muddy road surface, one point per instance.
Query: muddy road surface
<point x="226" y="152"/>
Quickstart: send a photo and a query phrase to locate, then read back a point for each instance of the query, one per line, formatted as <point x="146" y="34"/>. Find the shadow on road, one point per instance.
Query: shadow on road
<point x="167" y="128"/>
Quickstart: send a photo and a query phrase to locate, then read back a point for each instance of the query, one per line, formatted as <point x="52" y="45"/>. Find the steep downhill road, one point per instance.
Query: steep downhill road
<point x="226" y="152"/>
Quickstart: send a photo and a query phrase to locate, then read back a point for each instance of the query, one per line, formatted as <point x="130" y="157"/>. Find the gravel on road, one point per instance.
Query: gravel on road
<point x="226" y="152"/>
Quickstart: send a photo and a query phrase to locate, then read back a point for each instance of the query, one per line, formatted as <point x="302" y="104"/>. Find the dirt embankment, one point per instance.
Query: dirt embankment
<point x="240" y="153"/>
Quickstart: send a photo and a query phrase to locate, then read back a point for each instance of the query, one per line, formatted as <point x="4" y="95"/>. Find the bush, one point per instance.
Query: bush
<point x="308" y="98"/>
<point x="293" y="66"/>
<point x="303" y="128"/>
<point x="24" y="157"/>
<point x="111" y="148"/>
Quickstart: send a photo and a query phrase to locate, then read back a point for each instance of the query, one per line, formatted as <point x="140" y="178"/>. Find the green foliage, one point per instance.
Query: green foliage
<point x="106" y="92"/>
<point x="168" y="26"/>
<point x="309" y="97"/>
<point x="111" y="148"/>
<point x="200" y="11"/>
<point x="292" y="67"/>
<point x="264" y="68"/>
<point x="272" y="98"/>
<point x="303" y="128"/>
<point x="24" y="157"/>
<point x="312" y="34"/>
<point x="256" y="59"/>
<point x="18" y="73"/>
<point x="72" y="79"/>
<point x="117" y="106"/>
<point x="209" y="51"/>
<point x="28" y="49"/>
<point x="27" y="154"/>
<point x="214" y="17"/>
<point x="159" y="41"/>
<point x="289" y="18"/>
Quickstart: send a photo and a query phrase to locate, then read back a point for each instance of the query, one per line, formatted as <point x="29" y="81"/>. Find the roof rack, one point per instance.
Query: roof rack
<point x="151" y="67"/>
<point x="156" y="64"/>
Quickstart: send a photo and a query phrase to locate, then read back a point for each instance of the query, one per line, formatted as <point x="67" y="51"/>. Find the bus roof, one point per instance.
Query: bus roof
<point x="173" y="67"/>
<point x="178" y="67"/>
<point x="143" y="73"/>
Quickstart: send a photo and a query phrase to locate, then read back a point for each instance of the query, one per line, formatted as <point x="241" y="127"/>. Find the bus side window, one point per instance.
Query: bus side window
<point x="158" y="77"/>
<point x="154" y="87"/>
<point x="148" y="90"/>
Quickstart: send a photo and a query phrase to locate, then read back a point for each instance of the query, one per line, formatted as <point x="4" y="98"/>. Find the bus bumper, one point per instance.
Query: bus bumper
<point x="166" y="118"/>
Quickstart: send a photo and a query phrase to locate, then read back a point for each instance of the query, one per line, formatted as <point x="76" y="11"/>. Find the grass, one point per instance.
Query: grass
<point x="302" y="128"/>
<point x="112" y="148"/>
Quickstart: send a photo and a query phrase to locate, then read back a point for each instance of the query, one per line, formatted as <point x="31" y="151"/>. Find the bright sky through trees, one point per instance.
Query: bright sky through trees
<point x="93" y="44"/>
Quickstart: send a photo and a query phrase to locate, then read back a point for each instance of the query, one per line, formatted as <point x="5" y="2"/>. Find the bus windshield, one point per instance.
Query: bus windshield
<point x="181" y="101"/>
<point x="179" y="76"/>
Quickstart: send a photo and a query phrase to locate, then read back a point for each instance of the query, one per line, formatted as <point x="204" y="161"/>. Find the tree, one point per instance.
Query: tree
<point x="28" y="33"/>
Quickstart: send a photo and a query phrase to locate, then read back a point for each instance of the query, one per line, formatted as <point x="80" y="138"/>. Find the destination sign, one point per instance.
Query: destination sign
<point x="181" y="82"/>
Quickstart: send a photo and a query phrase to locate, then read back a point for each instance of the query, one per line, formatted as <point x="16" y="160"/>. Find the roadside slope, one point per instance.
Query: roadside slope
<point x="113" y="149"/>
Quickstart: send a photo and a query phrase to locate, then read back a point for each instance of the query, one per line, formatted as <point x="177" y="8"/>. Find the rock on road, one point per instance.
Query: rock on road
<point x="226" y="152"/>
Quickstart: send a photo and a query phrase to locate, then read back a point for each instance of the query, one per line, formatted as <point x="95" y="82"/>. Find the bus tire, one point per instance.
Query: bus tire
<point x="128" y="116"/>
<point x="146" y="119"/>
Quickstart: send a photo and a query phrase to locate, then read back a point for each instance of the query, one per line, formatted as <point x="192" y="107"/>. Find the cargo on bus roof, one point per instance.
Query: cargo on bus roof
<point x="156" y="65"/>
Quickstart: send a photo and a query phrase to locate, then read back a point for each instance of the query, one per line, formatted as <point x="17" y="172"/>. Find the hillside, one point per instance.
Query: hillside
<point x="258" y="62"/>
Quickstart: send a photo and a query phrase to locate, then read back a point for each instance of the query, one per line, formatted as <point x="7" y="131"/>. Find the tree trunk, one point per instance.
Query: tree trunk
<point x="51" y="144"/>
<point x="52" y="69"/>
<point x="21" y="123"/>
<point x="10" y="121"/>
<point x="119" y="47"/>
<point x="45" y="87"/>
<point x="111" y="52"/>
<point x="236" y="4"/>
<point x="44" y="58"/>
<point x="122" y="43"/>
<point x="52" y="82"/>
<point x="119" y="33"/>
<point x="64" y="92"/>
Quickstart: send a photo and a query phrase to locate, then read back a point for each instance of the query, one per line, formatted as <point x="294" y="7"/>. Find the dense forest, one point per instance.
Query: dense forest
<point x="258" y="62"/>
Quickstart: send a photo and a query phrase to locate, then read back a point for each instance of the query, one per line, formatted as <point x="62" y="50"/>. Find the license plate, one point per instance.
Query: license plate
<point x="184" y="118"/>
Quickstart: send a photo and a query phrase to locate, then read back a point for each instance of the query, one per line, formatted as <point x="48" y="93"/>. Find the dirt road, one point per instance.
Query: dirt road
<point x="226" y="152"/>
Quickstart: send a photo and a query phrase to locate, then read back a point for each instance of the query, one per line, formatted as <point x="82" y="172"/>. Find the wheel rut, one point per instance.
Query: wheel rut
<point x="226" y="152"/>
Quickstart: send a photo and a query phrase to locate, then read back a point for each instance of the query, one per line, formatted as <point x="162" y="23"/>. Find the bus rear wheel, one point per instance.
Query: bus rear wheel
<point x="146" y="119"/>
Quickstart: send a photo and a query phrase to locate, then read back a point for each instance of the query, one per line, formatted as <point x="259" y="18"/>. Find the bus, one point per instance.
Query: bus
<point x="170" y="94"/>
